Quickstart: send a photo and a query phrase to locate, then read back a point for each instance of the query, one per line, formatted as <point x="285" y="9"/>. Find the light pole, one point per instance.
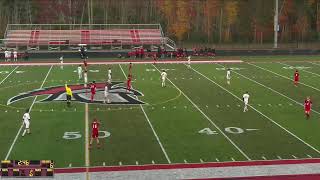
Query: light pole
<point x="276" y="25"/>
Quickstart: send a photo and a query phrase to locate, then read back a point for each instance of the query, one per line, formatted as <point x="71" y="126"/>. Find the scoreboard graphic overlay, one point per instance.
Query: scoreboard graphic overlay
<point x="27" y="168"/>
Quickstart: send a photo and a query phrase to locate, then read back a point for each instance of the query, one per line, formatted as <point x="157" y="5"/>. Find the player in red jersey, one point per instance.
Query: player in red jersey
<point x="296" y="78"/>
<point x="154" y="58"/>
<point x="95" y="132"/>
<point x="307" y="107"/>
<point x="85" y="64"/>
<point x="129" y="82"/>
<point x="93" y="88"/>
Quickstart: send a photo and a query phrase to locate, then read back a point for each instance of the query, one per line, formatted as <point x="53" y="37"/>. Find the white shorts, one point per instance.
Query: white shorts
<point x="106" y="95"/>
<point x="27" y="124"/>
<point x="15" y="57"/>
<point x="85" y="80"/>
<point x="228" y="77"/>
<point x="246" y="102"/>
<point x="109" y="76"/>
<point x="163" y="79"/>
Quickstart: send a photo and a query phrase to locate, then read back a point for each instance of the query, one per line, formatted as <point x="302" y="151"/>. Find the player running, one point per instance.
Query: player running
<point x="246" y="101"/>
<point x="85" y="78"/>
<point x="228" y="75"/>
<point x="130" y="68"/>
<point x="106" y="93"/>
<point x="189" y="61"/>
<point x="68" y="95"/>
<point x="307" y="107"/>
<point x="93" y="89"/>
<point x="85" y="64"/>
<point x="129" y="83"/>
<point x="109" y="75"/>
<point x="26" y="122"/>
<point x="79" y="72"/>
<point x="296" y="77"/>
<point x="163" y="78"/>
<point x="95" y="132"/>
<point x="61" y="62"/>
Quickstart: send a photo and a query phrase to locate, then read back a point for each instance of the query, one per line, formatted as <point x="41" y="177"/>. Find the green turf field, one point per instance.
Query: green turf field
<point x="196" y="118"/>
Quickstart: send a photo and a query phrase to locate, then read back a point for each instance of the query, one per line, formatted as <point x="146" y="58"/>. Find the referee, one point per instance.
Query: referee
<point x="69" y="95"/>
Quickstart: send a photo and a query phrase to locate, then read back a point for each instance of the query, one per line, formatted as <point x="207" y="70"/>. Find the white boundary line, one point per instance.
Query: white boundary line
<point x="34" y="100"/>
<point x="151" y="126"/>
<point x="120" y="62"/>
<point x="9" y="74"/>
<point x="300" y="69"/>
<point x="285" y="77"/>
<point x="271" y="89"/>
<point x="209" y="119"/>
<point x="314" y="63"/>
<point x="259" y="112"/>
<point x="87" y="154"/>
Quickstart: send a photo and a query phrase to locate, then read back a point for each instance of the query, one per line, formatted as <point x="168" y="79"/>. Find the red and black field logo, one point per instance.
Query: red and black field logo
<point x="118" y="94"/>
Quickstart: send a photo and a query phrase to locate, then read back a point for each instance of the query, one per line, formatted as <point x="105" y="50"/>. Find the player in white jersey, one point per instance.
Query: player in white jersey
<point x="80" y="72"/>
<point x="189" y="61"/>
<point x="15" y="55"/>
<point x="61" y="62"/>
<point x="106" y="93"/>
<point x="163" y="78"/>
<point x="228" y="75"/>
<point x="6" y="55"/>
<point x="85" y="78"/>
<point x="109" y="75"/>
<point x="26" y="122"/>
<point x="245" y="99"/>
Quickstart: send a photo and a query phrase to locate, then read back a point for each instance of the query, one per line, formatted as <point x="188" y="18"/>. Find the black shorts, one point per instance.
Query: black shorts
<point x="68" y="97"/>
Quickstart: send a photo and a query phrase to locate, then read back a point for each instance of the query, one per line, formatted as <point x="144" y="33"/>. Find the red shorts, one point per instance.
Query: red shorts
<point x="296" y="79"/>
<point x="93" y="92"/>
<point x="307" y="110"/>
<point x="95" y="133"/>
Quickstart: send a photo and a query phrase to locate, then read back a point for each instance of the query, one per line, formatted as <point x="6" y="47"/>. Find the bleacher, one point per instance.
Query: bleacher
<point x="40" y="37"/>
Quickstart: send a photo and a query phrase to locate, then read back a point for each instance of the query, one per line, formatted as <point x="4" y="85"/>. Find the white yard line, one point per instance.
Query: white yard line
<point x="209" y="119"/>
<point x="87" y="153"/>
<point x="150" y="124"/>
<point x="34" y="100"/>
<point x="267" y="87"/>
<point x="259" y="112"/>
<point x="314" y="63"/>
<point x="300" y="69"/>
<point x="285" y="77"/>
<point x="9" y="74"/>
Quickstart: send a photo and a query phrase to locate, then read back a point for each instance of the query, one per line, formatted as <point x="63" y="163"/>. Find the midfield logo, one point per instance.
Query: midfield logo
<point x="118" y="94"/>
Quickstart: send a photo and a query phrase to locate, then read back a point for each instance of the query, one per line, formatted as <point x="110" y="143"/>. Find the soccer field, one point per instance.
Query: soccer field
<point x="196" y="118"/>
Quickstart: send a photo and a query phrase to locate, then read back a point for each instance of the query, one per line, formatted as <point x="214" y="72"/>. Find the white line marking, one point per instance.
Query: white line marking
<point x="104" y="163"/>
<point x="9" y="74"/>
<point x="151" y="126"/>
<point x="209" y="119"/>
<point x="34" y="100"/>
<point x="137" y="163"/>
<point x="185" y="161"/>
<point x="294" y="156"/>
<point x="264" y="158"/>
<point x="217" y="160"/>
<point x="86" y="145"/>
<point x="120" y="163"/>
<point x="153" y="162"/>
<point x="285" y="77"/>
<point x="252" y="129"/>
<point x="279" y="157"/>
<point x="309" y="156"/>
<point x="315" y="74"/>
<point x="70" y="165"/>
<point x="201" y="160"/>
<point x="259" y="112"/>
<point x="233" y="159"/>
